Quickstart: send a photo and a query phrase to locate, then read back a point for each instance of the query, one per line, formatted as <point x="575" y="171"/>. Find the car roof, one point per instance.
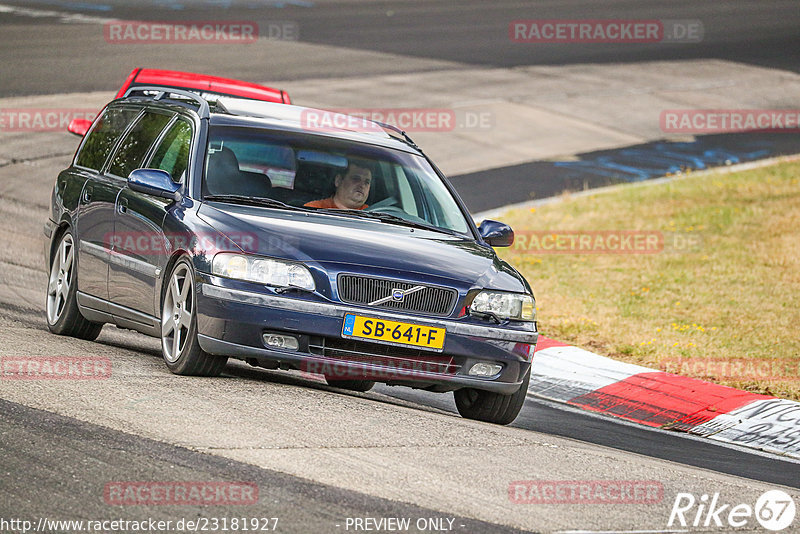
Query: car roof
<point x="232" y="111"/>
<point x="235" y="111"/>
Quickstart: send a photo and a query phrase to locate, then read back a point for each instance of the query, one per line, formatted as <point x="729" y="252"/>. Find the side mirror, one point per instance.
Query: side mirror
<point x="79" y="126"/>
<point x="154" y="182"/>
<point x="496" y="234"/>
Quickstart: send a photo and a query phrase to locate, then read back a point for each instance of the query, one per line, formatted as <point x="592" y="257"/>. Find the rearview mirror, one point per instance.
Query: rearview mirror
<point x="154" y="182"/>
<point x="322" y="158"/>
<point x="79" y="126"/>
<point x="496" y="234"/>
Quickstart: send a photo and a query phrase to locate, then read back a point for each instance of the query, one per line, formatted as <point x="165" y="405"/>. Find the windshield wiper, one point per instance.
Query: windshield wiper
<point x="387" y="217"/>
<point x="254" y="201"/>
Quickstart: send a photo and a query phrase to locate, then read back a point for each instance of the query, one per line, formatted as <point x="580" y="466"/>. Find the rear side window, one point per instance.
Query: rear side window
<point x="134" y="147"/>
<point x="172" y="154"/>
<point x="102" y="138"/>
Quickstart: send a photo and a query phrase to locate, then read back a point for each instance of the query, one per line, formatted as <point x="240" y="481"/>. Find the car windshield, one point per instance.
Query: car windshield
<point x="319" y="172"/>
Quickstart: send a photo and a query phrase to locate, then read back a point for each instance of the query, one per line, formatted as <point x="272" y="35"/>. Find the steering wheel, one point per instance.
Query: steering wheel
<point x="388" y="202"/>
<point x="390" y="206"/>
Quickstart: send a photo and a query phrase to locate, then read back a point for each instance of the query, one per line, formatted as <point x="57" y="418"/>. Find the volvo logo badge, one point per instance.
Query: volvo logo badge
<point x="397" y="295"/>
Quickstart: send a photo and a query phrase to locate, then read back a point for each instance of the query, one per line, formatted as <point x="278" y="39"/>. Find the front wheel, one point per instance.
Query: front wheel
<point x="489" y="406"/>
<point x="179" y="345"/>
<point x="63" y="316"/>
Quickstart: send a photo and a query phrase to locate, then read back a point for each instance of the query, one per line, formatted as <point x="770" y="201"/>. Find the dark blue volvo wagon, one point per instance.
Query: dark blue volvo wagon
<point x="290" y="238"/>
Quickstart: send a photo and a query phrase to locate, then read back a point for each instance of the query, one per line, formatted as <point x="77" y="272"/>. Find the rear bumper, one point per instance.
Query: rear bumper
<point x="232" y="321"/>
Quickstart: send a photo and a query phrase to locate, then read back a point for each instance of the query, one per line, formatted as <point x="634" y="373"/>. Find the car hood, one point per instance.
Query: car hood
<point x="334" y="242"/>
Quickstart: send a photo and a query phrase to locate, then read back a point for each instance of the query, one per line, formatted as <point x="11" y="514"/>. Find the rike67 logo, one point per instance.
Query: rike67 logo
<point x="774" y="510"/>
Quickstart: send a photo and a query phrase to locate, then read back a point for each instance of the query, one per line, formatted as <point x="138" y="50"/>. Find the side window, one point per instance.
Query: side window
<point x="134" y="147"/>
<point x="172" y="155"/>
<point x="101" y="140"/>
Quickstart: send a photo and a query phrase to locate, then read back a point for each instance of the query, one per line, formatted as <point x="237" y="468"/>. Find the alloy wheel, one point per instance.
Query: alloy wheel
<point x="177" y="312"/>
<point x="60" y="279"/>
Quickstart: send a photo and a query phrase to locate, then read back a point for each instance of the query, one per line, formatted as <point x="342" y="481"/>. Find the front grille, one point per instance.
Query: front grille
<point x="394" y="359"/>
<point x="432" y="300"/>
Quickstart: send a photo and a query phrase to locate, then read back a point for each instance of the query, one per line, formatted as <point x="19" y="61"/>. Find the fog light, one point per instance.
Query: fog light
<point x="280" y="341"/>
<point x="485" y="369"/>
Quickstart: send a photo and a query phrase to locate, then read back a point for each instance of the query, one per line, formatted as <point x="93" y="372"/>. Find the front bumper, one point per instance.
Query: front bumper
<point x="232" y="319"/>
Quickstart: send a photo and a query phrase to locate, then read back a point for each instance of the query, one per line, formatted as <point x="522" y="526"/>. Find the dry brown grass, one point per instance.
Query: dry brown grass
<point x="735" y="296"/>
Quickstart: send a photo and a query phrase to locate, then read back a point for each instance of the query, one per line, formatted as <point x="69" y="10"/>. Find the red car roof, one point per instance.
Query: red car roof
<point x="203" y="82"/>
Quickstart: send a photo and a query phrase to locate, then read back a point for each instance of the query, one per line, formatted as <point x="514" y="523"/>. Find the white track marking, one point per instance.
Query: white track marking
<point x="65" y="17"/>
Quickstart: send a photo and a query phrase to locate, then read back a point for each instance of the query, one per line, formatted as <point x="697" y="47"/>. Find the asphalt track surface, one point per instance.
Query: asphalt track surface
<point x="55" y="464"/>
<point x="71" y="461"/>
<point x="40" y="57"/>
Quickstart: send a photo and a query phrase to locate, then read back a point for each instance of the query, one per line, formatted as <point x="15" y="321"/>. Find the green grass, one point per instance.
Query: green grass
<point x="734" y="295"/>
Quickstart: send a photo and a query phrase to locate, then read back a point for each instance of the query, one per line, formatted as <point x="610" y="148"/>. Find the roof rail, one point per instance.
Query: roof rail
<point x="165" y="91"/>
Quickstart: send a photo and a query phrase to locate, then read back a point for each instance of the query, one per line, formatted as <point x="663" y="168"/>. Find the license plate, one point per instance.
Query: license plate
<point x="411" y="334"/>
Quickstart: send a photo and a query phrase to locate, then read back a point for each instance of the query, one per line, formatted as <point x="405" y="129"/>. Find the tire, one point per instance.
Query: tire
<point x="491" y="407"/>
<point x="351" y="385"/>
<point x="61" y="304"/>
<point x="179" y="345"/>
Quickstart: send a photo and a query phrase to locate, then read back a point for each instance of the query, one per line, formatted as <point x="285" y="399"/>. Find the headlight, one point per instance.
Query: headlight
<point x="505" y="305"/>
<point x="262" y="270"/>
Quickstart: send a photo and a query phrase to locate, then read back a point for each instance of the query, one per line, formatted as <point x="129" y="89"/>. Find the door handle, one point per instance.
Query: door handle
<point x="87" y="195"/>
<point x="122" y="207"/>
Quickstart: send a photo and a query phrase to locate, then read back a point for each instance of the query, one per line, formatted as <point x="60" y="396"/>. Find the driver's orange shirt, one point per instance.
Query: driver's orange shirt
<point x="327" y="203"/>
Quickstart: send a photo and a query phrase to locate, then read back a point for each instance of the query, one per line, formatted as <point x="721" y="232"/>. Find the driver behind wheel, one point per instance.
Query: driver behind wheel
<point x="352" y="189"/>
